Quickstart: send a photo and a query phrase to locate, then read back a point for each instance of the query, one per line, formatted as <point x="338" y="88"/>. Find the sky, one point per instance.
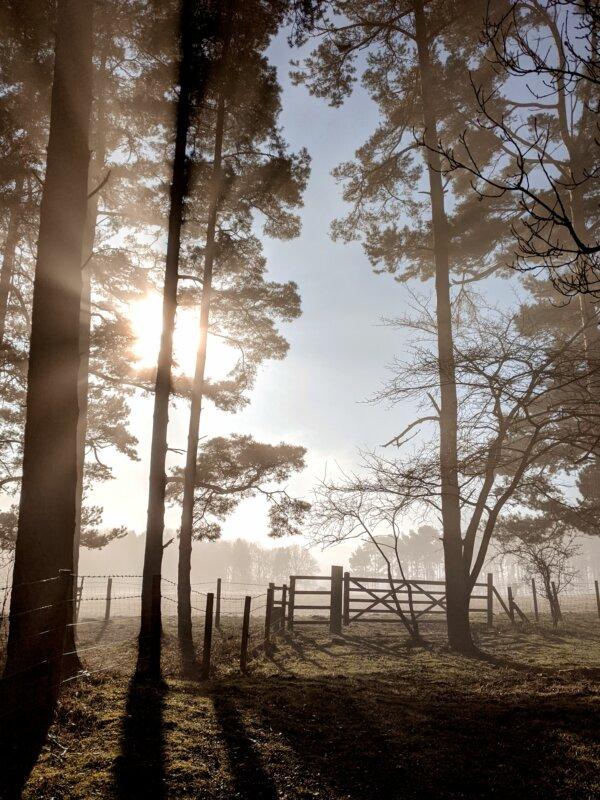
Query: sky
<point x="339" y="349"/>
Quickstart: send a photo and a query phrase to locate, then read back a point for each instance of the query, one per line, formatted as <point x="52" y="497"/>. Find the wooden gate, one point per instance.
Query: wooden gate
<point x="367" y="598"/>
<point x="340" y="599"/>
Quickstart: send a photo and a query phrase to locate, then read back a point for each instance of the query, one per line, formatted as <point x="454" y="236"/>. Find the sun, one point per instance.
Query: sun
<point x="146" y="321"/>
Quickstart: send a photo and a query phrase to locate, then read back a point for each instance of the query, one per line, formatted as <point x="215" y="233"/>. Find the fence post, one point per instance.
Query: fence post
<point x="335" y="606"/>
<point x="208" y="626"/>
<point x="490" y="599"/>
<point x="536" y="611"/>
<point x="269" y="613"/>
<point x="555" y="593"/>
<point x="511" y="608"/>
<point x="290" y="619"/>
<point x="64" y="616"/>
<point x="218" y="606"/>
<point x="597" y="596"/>
<point x="79" y="595"/>
<point x="155" y="627"/>
<point x="283" y="605"/>
<point x="245" y="633"/>
<point x="108" y="600"/>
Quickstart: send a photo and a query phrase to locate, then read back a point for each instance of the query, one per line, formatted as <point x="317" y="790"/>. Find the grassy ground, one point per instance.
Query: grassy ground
<point x="359" y="716"/>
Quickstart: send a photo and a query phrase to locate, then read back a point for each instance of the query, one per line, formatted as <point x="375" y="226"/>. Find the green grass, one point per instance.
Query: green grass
<point x="359" y="716"/>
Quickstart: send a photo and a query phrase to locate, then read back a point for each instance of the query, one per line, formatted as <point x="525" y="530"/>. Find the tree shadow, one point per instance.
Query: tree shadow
<point x="139" y="770"/>
<point x="250" y="779"/>
<point x="359" y="744"/>
<point x="22" y="738"/>
<point x="27" y="706"/>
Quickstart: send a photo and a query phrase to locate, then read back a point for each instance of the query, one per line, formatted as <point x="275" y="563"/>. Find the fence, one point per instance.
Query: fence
<point x="339" y="599"/>
<point x="236" y="622"/>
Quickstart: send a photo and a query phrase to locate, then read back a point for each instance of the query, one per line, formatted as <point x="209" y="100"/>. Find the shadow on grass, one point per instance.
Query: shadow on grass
<point x="139" y="770"/>
<point x="348" y="739"/>
<point x="23" y="734"/>
<point x="250" y="780"/>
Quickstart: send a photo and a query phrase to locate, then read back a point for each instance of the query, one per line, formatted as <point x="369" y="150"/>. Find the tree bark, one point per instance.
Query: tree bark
<point x="150" y="632"/>
<point x="184" y="611"/>
<point x="47" y="507"/>
<point x="457" y="594"/>
<point x="8" y="255"/>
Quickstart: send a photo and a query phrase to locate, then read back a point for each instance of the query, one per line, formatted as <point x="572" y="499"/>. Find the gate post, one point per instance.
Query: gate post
<point x="336" y="602"/>
<point x="290" y="619"/>
<point x="490" y="599"/>
<point x="245" y="633"/>
<point x="284" y="589"/>
<point x="269" y="612"/>
<point x="346" y="598"/>
<point x="208" y="626"/>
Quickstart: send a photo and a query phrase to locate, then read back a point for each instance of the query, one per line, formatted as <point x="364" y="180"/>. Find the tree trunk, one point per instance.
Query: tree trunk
<point x="8" y="255"/>
<point x="457" y="594"/>
<point x="47" y="506"/>
<point x="150" y="626"/>
<point x="184" y="610"/>
<point x="84" y="354"/>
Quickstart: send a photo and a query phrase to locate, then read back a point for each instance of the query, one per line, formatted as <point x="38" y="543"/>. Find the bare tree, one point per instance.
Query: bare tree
<point x="526" y="420"/>
<point x="543" y="110"/>
<point x="356" y="508"/>
<point x="544" y="547"/>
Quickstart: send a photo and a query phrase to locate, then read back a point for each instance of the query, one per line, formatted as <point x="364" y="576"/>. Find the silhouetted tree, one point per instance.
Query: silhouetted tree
<point x="250" y="175"/>
<point x="544" y="113"/>
<point x="46" y="526"/>
<point x="413" y="59"/>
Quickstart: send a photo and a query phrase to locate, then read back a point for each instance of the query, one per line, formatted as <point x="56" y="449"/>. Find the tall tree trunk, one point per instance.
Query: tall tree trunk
<point x="8" y="254"/>
<point x="184" y="610"/>
<point x="153" y="554"/>
<point x="85" y="318"/>
<point x="47" y="507"/>
<point x="457" y="594"/>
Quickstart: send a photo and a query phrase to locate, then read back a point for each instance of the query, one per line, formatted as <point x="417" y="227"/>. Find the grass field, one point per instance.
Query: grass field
<point x="359" y="716"/>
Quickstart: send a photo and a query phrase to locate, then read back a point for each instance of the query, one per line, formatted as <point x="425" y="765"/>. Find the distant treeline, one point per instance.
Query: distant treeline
<point x="238" y="560"/>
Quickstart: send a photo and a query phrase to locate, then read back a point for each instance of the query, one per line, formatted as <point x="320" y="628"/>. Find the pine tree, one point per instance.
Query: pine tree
<point x="46" y="527"/>
<point x="249" y="174"/>
<point x="415" y="66"/>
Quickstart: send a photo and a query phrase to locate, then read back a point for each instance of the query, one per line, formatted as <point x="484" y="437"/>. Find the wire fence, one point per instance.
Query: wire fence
<point x="95" y="629"/>
<point x="94" y="626"/>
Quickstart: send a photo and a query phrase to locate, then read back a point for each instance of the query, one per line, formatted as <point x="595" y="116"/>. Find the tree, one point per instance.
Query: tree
<point x="46" y="527"/>
<point x="353" y="509"/>
<point x="194" y="31"/>
<point x="525" y="429"/>
<point x="250" y="175"/>
<point x="544" y="113"/>
<point x="231" y="469"/>
<point x="527" y="420"/>
<point x="414" y="61"/>
<point x="544" y="548"/>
